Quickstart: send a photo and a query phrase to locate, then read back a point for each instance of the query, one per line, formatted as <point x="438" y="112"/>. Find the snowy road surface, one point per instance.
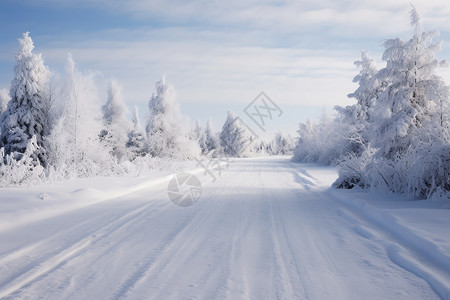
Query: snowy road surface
<point x="266" y="229"/>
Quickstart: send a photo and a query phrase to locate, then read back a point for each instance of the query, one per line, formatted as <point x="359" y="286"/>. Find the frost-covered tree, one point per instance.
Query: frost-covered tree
<point x="366" y="93"/>
<point x="359" y="116"/>
<point x="4" y="99"/>
<point x="405" y="113"/>
<point x="412" y="90"/>
<point x="321" y="142"/>
<point x="74" y="142"/>
<point x="357" y="124"/>
<point x="20" y="168"/>
<point x="136" y="137"/>
<point x="25" y="115"/>
<point x="282" y="144"/>
<point x="71" y="102"/>
<point x="260" y="148"/>
<point x="408" y="148"/>
<point x="65" y="139"/>
<point x="166" y="135"/>
<point x="199" y="136"/>
<point x="116" y="126"/>
<point x="212" y="140"/>
<point x="305" y="141"/>
<point x="234" y="138"/>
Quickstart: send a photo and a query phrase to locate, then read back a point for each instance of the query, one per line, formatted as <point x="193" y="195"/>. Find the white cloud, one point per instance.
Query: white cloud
<point x="378" y="17"/>
<point x="204" y="70"/>
<point x="299" y="52"/>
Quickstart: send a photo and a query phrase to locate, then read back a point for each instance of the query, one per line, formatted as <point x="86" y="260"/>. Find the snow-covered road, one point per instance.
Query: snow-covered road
<point x="266" y="229"/>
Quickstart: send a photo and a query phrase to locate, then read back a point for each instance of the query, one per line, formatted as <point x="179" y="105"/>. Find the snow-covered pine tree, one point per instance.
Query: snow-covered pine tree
<point x="366" y="93"/>
<point x="199" y="136"/>
<point x="413" y="88"/>
<point x="136" y="137"/>
<point x="25" y="115"/>
<point x="356" y="121"/>
<point x="212" y="141"/>
<point x="283" y="144"/>
<point x="270" y="148"/>
<point x="359" y="116"/>
<point x="305" y="142"/>
<point x="406" y="108"/>
<point x="23" y="169"/>
<point x="196" y="132"/>
<point x="409" y="148"/>
<point x="233" y="137"/>
<point x="258" y="148"/>
<point x="166" y="135"/>
<point x="114" y="135"/>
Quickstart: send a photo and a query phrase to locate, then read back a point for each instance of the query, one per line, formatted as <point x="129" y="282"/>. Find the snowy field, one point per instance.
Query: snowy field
<point x="268" y="228"/>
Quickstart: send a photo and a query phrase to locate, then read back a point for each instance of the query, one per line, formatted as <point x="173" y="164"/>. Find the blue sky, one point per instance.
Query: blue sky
<point x="218" y="54"/>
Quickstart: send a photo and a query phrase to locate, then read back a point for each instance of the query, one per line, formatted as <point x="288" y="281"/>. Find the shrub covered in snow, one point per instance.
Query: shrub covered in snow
<point x="282" y="144"/>
<point x="21" y="168"/>
<point x="323" y="142"/>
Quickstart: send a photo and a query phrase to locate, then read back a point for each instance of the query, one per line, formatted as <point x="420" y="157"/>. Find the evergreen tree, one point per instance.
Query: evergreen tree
<point x="233" y="137"/>
<point x="366" y="93"/>
<point x="412" y="90"/>
<point x="116" y="126"/>
<point x="166" y="135"/>
<point x="199" y="136"/>
<point x="212" y="141"/>
<point x="25" y="116"/>
<point x="408" y="149"/>
<point x="259" y="147"/>
<point x="136" y="137"/>
<point x="357" y="118"/>
<point x="282" y="144"/>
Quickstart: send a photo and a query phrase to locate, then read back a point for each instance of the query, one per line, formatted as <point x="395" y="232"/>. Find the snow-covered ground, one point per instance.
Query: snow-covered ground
<point x="267" y="228"/>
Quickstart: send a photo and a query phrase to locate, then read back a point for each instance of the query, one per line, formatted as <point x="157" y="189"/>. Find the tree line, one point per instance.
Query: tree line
<point x="55" y="130"/>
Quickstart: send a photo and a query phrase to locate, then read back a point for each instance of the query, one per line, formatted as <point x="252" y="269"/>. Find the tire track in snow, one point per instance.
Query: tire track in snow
<point x="294" y="274"/>
<point x="235" y="285"/>
<point x="298" y="284"/>
<point x="263" y="250"/>
<point x="211" y="217"/>
<point x="213" y="229"/>
<point x="284" y="287"/>
<point x="156" y="258"/>
<point x="407" y="258"/>
<point x="33" y="247"/>
<point x="41" y="268"/>
<point x="236" y="281"/>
